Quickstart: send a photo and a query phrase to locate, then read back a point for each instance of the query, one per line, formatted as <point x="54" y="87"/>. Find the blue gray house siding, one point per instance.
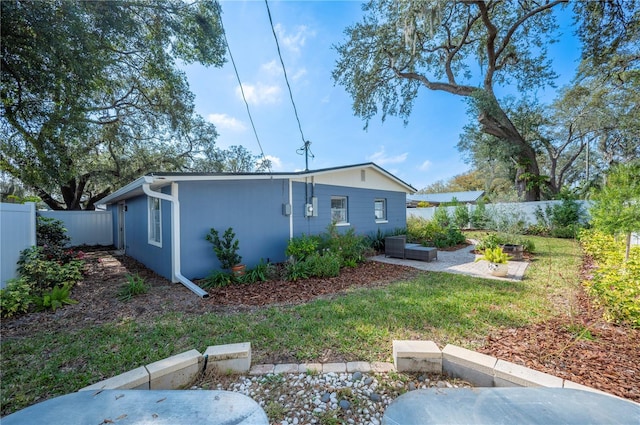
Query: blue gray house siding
<point x="252" y="208"/>
<point x="360" y="206"/>
<point x="137" y="245"/>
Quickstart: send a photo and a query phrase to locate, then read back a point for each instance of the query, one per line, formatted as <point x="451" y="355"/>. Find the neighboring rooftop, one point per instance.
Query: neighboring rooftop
<point x="469" y="197"/>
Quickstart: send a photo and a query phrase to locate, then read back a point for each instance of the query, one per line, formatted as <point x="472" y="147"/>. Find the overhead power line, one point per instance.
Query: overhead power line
<point x="246" y="104"/>
<point x="305" y="148"/>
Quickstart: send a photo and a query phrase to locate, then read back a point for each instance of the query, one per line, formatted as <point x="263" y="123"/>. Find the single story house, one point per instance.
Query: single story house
<point x="161" y="219"/>
<point x="435" y="199"/>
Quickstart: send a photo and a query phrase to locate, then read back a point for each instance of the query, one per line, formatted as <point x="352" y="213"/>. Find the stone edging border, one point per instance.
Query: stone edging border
<point x="478" y="369"/>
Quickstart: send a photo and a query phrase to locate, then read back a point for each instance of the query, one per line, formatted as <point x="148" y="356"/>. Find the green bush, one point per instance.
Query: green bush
<point x="461" y="216"/>
<point x="451" y="236"/>
<point x="54" y="299"/>
<point x="217" y="279"/>
<point x="441" y="216"/>
<point x="615" y="284"/>
<point x="15" y="297"/>
<point x="51" y="236"/>
<point x="301" y="247"/>
<point x="225" y="248"/>
<point x="351" y="248"/>
<point x="45" y="274"/>
<point x="493" y="240"/>
<point x="478" y="216"/>
<point x="260" y="273"/>
<point x="326" y="265"/>
<point x="295" y="270"/>
<point x="135" y="286"/>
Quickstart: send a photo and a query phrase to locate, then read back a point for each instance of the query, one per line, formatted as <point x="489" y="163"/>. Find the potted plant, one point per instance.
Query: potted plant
<point x="226" y="249"/>
<point x="497" y="261"/>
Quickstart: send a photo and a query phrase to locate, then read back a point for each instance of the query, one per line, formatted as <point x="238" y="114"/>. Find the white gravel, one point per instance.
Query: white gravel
<point x="331" y="398"/>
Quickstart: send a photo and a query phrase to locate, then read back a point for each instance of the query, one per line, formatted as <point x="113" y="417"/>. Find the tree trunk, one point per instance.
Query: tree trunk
<point x="498" y="124"/>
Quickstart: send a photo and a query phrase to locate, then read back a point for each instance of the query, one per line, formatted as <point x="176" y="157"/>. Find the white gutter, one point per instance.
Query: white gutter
<point x="175" y="234"/>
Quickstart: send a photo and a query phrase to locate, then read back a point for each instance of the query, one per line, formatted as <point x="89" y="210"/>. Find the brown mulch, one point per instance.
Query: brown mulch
<point x="582" y="347"/>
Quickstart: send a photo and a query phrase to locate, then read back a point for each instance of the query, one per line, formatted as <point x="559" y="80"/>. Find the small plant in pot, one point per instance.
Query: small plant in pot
<point x="497" y="259"/>
<point x="226" y="249"/>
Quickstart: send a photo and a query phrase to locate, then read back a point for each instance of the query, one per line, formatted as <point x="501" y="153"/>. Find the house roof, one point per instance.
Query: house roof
<point x="159" y="179"/>
<point x="439" y="198"/>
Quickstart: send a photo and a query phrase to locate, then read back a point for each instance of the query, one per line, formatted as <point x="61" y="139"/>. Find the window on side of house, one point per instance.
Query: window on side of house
<point x="380" y="209"/>
<point x="155" y="222"/>
<point x="339" y="212"/>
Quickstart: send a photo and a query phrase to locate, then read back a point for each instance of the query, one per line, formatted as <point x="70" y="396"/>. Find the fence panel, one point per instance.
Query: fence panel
<point x="85" y="227"/>
<point x="17" y="232"/>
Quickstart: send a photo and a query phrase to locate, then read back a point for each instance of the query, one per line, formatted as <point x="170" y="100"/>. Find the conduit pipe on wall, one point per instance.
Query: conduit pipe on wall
<point x="175" y="234"/>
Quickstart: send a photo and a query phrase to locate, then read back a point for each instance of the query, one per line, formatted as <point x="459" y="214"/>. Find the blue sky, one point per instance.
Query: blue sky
<point x="419" y="153"/>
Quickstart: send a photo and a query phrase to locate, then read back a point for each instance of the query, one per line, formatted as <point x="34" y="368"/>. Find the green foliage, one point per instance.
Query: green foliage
<point x="301" y="247"/>
<point x="260" y="273"/>
<point x="441" y="216"/>
<point x="297" y="270"/>
<point x="15" y="297"/>
<point x="351" y="248"/>
<point x="226" y="248"/>
<point x="83" y="82"/>
<point x="135" y="286"/>
<point x="218" y="279"/>
<point x="494" y="255"/>
<point x="478" y="218"/>
<point x="325" y="265"/>
<point x="461" y="216"/>
<point x="615" y="283"/>
<point x="430" y="233"/>
<point x="562" y="220"/>
<point x="617" y="204"/>
<point x="57" y="297"/>
<point x="494" y="240"/>
<point x="43" y="273"/>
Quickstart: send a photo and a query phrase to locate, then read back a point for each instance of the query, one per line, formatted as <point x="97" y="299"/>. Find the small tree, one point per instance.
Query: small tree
<point x="617" y="203"/>
<point x="226" y="249"/>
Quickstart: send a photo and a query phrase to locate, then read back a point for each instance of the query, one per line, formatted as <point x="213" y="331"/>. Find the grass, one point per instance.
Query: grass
<point x="360" y="325"/>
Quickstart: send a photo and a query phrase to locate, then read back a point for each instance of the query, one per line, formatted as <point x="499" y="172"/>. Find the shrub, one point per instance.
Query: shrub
<point x="451" y="236"/>
<point x="217" y="279"/>
<point x="15" y="297"/>
<point x="478" y="217"/>
<point x="461" y="216"/>
<point x="53" y="299"/>
<point x="51" y="236"/>
<point x="135" y="286"/>
<point x="441" y="216"/>
<point x="327" y="265"/>
<point x="301" y="247"/>
<point x="297" y="270"/>
<point x="44" y="274"/>
<point x="226" y="248"/>
<point x="351" y="248"/>
<point x="615" y="283"/>
<point x="260" y="273"/>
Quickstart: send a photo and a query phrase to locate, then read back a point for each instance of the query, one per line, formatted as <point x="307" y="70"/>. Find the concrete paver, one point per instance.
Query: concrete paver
<point x="461" y="261"/>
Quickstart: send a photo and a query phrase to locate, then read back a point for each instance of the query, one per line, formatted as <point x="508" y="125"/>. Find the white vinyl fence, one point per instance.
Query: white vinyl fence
<point x="524" y="211"/>
<point x="18" y="231"/>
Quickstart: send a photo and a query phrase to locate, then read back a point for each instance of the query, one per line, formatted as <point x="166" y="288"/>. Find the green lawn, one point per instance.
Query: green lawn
<point x="360" y="325"/>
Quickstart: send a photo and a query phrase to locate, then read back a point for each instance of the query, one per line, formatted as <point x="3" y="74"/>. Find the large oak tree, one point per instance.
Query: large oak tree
<point x="92" y="96"/>
<point x="466" y="48"/>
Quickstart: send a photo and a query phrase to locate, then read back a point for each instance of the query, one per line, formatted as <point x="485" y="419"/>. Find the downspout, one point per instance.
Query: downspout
<point x="292" y="209"/>
<point x="175" y="234"/>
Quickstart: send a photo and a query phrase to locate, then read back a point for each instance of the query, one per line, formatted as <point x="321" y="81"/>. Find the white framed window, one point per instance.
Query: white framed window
<point x="155" y="221"/>
<point x="380" y="209"/>
<point x="339" y="211"/>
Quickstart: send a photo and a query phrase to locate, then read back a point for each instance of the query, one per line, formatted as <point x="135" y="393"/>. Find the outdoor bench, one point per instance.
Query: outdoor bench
<point x="397" y="247"/>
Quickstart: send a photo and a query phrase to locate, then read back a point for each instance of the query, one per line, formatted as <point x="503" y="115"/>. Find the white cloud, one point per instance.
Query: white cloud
<point x="224" y="121"/>
<point x="295" y="41"/>
<point x="271" y="68"/>
<point x="299" y="74"/>
<point x="260" y="94"/>
<point x="381" y="157"/>
<point x="426" y="165"/>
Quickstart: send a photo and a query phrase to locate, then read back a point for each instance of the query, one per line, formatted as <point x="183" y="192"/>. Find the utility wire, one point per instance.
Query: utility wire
<point x="233" y="62"/>
<point x="284" y="70"/>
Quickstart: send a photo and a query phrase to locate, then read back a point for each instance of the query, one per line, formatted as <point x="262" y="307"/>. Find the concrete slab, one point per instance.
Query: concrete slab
<point x="509" y="374"/>
<point x="523" y="406"/>
<point x="417" y="356"/>
<point x="473" y="367"/>
<point x="262" y="369"/>
<point x="174" y="372"/>
<point x="334" y="367"/>
<point x="143" y="407"/>
<point x="229" y="357"/>
<point x="358" y="367"/>
<point x="286" y="368"/>
<point x="310" y="368"/>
